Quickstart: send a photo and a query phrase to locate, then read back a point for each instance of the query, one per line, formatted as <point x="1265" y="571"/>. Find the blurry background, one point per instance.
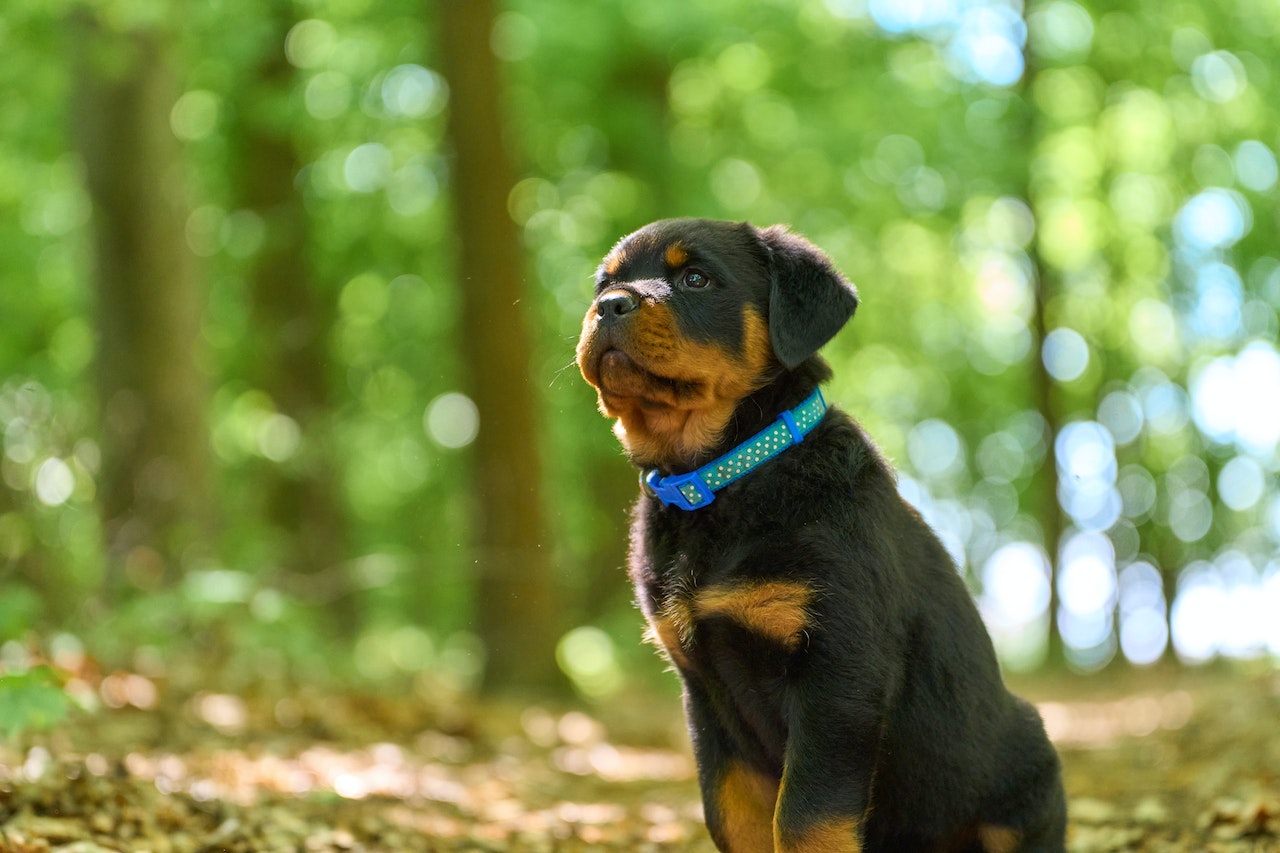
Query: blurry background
<point x="289" y="294"/>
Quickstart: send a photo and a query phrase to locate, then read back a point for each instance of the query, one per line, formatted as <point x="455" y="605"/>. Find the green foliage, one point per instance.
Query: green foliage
<point x="31" y="701"/>
<point x="20" y="609"/>
<point x="948" y="198"/>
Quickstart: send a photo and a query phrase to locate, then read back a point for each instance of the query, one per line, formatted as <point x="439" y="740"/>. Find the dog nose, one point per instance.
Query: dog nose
<point x="617" y="303"/>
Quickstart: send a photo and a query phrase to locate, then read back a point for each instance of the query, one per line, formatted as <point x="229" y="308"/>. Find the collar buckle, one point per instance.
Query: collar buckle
<point x="686" y="491"/>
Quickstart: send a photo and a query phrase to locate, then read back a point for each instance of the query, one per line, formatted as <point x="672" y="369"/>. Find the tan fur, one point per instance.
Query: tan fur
<point x="999" y="839"/>
<point x="747" y="800"/>
<point x="672" y="630"/>
<point x="773" y="609"/>
<point x="676" y="256"/>
<point x="832" y="836"/>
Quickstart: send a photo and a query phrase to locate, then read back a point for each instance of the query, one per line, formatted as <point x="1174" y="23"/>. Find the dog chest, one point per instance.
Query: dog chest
<point x="776" y="612"/>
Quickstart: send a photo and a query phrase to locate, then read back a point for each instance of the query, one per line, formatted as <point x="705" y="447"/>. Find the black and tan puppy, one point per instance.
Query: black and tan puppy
<point x="841" y="691"/>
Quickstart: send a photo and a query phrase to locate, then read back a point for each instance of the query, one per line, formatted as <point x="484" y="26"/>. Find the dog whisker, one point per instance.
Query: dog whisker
<point x="556" y="376"/>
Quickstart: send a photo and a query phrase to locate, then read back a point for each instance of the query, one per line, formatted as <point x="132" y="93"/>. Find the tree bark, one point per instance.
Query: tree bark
<point x="518" y="604"/>
<point x="155" y="488"/>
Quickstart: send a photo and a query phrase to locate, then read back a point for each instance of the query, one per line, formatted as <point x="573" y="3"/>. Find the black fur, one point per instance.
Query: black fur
<point x="885" y="721"/>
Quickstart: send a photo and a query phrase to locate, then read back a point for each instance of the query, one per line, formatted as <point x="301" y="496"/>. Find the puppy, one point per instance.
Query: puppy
<point x="840" y="689"/>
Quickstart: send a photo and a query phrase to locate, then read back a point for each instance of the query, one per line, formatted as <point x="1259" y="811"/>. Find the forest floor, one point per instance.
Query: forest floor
<point x="1164" y="761"/>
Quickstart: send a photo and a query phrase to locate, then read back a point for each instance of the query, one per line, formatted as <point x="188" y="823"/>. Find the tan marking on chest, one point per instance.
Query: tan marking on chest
<point x="776" y="610"/>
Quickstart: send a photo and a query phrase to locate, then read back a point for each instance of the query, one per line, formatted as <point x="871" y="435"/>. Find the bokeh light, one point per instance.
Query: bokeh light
<point x="1014" y="602"/>
<point x="1219" y="76"/>
<point x="983" y="40"/>
<point x="328" y="94"/>
<point x="368" y="167"/>
<point x="1087" y="471"/>
<point x="1236" y="399"/>
<point x="1121" y="413"/>
<point x="1241" y="483"/>
<point x="1144" y="626"/>
<point x="1087" y="594"/>
<point x="54" y="482"/>
<point x="1061" y="30"/>
<point x="935" y="448"/>
<point x="452" y="420"/>
<point x="587" y="656"/>
<point x="902" y="17"/>
<point x="1065" y="353"/>
<point x="279" y="437"/>
<point x="194" y="115"/>
<point x="1213" y="219"/>
<point x="310" y="42"/>
<point x="1255" y="165"/>
<point x="1219" y="300"/>
<point x="1224" y="607"/>
<point x="989" y="43"/>
<point x="411" y="91"/>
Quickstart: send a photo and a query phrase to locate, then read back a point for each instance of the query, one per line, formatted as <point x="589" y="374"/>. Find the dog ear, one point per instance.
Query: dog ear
<point x="809" y="300"/>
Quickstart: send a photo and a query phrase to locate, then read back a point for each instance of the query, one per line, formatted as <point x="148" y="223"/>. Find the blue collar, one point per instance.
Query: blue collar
<point x="698" y="488"/>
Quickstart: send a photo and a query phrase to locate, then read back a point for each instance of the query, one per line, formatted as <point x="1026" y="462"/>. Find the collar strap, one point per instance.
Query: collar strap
<point x="698" y="488"/>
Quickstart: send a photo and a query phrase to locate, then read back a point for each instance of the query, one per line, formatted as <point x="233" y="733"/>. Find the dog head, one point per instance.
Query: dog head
<point x="690" y="317"/>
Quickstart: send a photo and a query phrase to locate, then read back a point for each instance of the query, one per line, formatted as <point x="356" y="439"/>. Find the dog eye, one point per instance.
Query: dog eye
<point x="693" y="278"/>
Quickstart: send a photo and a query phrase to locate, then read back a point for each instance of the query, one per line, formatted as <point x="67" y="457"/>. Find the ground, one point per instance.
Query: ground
<point x="1165" y="761"/>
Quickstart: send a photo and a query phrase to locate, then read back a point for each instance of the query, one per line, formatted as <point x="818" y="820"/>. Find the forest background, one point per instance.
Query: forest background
<point x="289" y="294"/>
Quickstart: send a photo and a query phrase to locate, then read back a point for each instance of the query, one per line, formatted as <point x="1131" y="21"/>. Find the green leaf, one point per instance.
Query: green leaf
<point x="31" y="701"/>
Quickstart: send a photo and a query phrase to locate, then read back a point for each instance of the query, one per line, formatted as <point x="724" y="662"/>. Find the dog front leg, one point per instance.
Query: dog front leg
<point x="739" y="800"/>
<point x="825" y="795"/>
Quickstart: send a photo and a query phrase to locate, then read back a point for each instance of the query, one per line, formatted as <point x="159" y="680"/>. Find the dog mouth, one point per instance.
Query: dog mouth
<point x="622" y="375"/>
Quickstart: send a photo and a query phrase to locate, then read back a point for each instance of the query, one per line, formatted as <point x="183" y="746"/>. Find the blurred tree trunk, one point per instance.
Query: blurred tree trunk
<point x="517" y="601"/>
<point x="1045" y="484"/>
<point x="292" y="317"/>
<point x="1044" y="395"/>
<point x="155" y="487"/>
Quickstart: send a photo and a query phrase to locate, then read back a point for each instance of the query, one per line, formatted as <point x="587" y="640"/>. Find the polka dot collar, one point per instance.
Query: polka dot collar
<point x="698" y="488"/>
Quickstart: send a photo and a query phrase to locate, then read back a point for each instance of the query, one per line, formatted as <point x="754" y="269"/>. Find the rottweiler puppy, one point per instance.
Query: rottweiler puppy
<point x="841" y="691"/>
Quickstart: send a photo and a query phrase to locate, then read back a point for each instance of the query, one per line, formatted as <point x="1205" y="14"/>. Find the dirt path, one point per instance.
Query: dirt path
<point x="1175" y="762"/>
